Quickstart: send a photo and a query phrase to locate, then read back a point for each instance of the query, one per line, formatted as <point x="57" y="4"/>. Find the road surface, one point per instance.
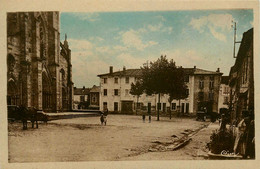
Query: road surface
<point x="125" y="137"/>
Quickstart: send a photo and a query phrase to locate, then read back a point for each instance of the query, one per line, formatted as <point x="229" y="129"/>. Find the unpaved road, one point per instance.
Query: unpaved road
<point x="84" y="139"/>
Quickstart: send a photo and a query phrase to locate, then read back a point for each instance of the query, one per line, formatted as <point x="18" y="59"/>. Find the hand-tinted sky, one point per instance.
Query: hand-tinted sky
<point x="203" y="38"/>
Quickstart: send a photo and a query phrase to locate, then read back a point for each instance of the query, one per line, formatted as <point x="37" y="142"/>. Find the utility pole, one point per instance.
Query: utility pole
<point x="234" y="25"/>
<point x="158" y="107"/>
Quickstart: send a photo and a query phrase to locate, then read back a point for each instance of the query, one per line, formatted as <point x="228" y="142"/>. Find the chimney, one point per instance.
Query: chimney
<point x="194" y="67"/>
<point x="218" y="70"/>
<point x="111" y="69"/>
<point x="124" y="68"/>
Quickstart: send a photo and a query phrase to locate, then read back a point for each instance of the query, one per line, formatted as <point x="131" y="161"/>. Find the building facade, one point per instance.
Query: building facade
<point x="224" y="97"/>
<point x="94" y="97"/>
<point x="39" y="73"/>
<point x="203" y="90"/>
<point x="242" y="78"/>
<point x="81" y="98"/>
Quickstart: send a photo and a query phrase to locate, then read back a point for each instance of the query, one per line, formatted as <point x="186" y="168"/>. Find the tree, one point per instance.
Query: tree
<point x="163" y="77"/>
<point x="177" y="88"/>
<point x="137" y="90"/>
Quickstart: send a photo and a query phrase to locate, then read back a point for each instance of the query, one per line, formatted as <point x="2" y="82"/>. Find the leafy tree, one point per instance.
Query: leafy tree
<point x="177" y="88"/>
<point x="164" y="77"/>
<point x="137" y="90"/>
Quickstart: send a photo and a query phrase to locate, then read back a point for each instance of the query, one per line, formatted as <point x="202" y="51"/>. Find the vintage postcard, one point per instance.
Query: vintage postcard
<point x="129" y="84"/>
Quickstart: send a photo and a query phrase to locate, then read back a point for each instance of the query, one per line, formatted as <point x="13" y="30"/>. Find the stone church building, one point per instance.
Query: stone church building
<point x="39" y="66"/>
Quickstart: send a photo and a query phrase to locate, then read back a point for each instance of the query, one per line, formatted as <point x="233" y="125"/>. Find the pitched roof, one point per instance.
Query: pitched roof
<point x="138" y="72"/>
<point x="207" y="72"/>
<point x="81" y="91"/>
<point x="128" y="72"/>
<point x="95" y="89"/>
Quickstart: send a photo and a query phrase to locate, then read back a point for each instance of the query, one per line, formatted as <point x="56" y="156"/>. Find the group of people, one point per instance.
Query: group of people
<point x="244" y="133"/>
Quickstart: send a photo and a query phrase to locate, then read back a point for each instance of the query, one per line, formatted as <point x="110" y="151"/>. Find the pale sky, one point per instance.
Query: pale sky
<point x="203" y="38"/>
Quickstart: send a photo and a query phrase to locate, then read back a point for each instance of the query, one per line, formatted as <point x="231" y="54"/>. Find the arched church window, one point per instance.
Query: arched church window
<point x="62" y="75"/>
<point x="42" y="43"/>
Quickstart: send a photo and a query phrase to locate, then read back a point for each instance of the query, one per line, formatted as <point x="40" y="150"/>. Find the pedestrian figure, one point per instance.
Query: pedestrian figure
<point x="103" y="119"/>
<point x="143" y="117"/>
<point x="250" y="140"/>
<point x="150" y="119"/>
<point x="241" y="137"/>
<point x="106" y="112"/>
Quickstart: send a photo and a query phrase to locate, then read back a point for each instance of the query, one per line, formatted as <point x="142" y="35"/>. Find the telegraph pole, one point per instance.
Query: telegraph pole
<point x="234" y="25"/>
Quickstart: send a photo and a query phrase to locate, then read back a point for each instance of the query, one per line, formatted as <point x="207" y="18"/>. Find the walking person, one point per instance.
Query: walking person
<point x="143" y="118"/>
<point x="106" y="112"/>
<point x="240" y="144"/>
<point x="103" y="117"/>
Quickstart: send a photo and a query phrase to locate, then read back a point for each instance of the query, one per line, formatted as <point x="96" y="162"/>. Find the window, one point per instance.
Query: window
<point x="211" y="78"/>
<point x="116" y="92"/>
<point x="105" y="80"/>
<point x="182" y="107"/>
<point x="62" y="75"/>
<point x="187" y="91"/>
<point x="116" y="80"/>
<point x="225" y="90"/>
<point x="82" y="98"/>
<point x="211" y="84"/>
<point x="201" y="84"/>
<point x="126" y="92"/>
<point x="115" y="106"/>
<point x="225" y="100"/>
<point x="159" y="106"/>
<point x="164" y="107"/>
<point x="93" y="99"/>
<point x="104" y="105"/>
<point x="186" y="78"/>
<point x="105" y="92"/>
<point x="173" y="106"/>
<point x="42" y="43"/>
<point x="127" y="80"/>
<point x="187" y="108"/>
<point x="211" y="95"/>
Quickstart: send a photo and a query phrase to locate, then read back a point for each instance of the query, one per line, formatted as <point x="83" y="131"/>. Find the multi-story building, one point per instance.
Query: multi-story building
<point x="203" y="90"/>
<point x="223" y="101"/>
<point x="242" y="78"/>
<point x="39" y="73"/>
<point x="81" y="98"/>
<point x="94" y="97"/>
